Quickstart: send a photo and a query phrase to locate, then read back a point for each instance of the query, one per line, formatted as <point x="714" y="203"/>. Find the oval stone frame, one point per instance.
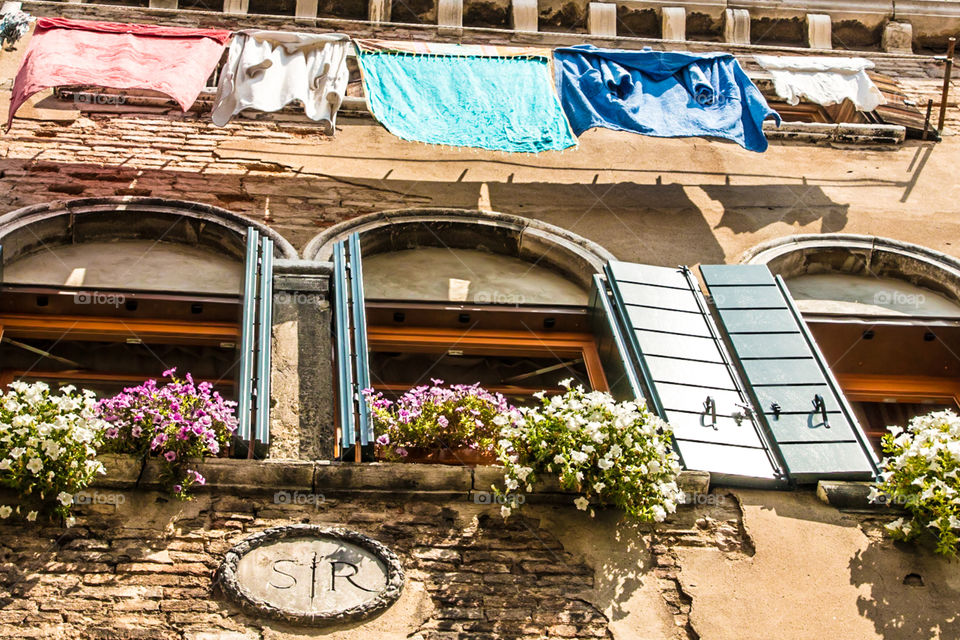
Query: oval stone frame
<point x="227" y="575"/>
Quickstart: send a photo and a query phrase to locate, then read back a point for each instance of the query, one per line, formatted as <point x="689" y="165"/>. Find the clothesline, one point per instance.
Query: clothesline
<point x="521" y="99"/>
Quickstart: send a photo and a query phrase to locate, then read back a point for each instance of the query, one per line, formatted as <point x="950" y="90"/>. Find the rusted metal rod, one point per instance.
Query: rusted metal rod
<point x="946" y="84"/>
<point x="926" y="120"/>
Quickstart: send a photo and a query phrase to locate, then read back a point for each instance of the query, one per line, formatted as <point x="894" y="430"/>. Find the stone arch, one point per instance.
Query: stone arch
<point x="532" y="240"/>
<point x="25" y="231"/>
<point x="850" y="254"/>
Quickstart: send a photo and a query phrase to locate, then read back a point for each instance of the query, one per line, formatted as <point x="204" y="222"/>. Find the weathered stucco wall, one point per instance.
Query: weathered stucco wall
<point x="740" y="565"/>
<point x="734" y="564"/>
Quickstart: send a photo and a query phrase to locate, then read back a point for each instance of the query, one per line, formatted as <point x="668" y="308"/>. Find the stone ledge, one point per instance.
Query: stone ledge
<point x="852" y="496"/>
<point x="266" y="476"/>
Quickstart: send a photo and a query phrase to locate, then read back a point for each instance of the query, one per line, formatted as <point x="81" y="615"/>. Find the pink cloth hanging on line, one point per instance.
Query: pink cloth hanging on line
<point x="173" y="61"/>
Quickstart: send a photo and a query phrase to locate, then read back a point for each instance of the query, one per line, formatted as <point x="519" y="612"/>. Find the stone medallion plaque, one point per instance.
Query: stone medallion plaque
<point x="310" y="574"/>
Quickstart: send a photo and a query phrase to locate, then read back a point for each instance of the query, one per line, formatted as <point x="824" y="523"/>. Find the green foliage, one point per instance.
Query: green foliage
<point x="48" y="446"/>
<point x="610" y="453"/>
<point x="920" y="472"/>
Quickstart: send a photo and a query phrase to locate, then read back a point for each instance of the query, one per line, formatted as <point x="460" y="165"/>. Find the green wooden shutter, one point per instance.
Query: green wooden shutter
<point x="350" y="339"/>
<point x="248" y="336"/>
<point x="801" y="403"/>
<point x="253" y="412"/>
<point x="669" y="340"/>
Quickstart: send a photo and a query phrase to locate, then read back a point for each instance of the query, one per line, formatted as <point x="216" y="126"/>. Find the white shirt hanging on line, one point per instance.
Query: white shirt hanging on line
<point x="823" y="80"/>
<point x="266" y="70"/>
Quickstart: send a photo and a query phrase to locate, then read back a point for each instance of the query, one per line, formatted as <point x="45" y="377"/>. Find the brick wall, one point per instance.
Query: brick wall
<point x="143" y="568"/>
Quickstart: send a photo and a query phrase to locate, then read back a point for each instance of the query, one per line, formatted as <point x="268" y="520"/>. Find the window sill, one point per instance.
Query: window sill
<point x="851" y="496"/>
<point x="243" y="477"/>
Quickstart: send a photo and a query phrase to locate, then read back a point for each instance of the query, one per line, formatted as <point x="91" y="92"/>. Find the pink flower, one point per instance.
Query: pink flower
<point x="169" y="372"/>
<point x="403" y="453"/>
<point x="112" y="432"/>
<point x="136" y="431"/>
<point x="170" y="456"/>
<point x="383" y="440"/>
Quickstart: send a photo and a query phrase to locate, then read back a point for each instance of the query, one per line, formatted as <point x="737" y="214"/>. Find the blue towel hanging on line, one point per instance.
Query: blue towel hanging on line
<point x="665" y="94"/>
<point x="499" y="103"/>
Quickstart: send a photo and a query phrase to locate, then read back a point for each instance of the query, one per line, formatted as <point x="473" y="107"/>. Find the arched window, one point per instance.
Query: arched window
<point x="104" y="293"/>
<point x="886" y="315"/>
<point x="472" y="297"/>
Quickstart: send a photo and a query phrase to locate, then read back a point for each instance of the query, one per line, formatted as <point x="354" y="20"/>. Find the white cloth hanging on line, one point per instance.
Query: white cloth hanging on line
<point x="823" y="80"/>
<point x="266" y="70"/>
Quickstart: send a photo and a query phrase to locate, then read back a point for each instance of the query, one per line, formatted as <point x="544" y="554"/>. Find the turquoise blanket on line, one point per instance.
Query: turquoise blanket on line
<point x="503" y="104"/>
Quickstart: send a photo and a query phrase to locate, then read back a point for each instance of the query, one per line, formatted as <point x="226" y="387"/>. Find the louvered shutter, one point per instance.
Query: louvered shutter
<point x="350" y="339"/>
<point x="801" y="403"/>
<point x="671" y="348"/>
<point x="253" y="411"/>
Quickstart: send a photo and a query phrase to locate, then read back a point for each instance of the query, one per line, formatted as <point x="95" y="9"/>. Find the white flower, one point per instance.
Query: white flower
<point x="605" y="463"/>
<point x="615" y="451"/>
<point x="64" y="498"/>
<point x="598" y="486"/>
<point x="505" y="511"/>
<point x="659" y="513"/>
<point x="558" y="459"/>
<point x="32" y="516"/>
<point x="35" y="465"/>
<point x="511" y="484"/>
<point x="5" y="511"/>
<point x="582" y="503"/>
<point x="71" y="521"/>
<point x="579" y="457"/>
<point x="4" y="465"/>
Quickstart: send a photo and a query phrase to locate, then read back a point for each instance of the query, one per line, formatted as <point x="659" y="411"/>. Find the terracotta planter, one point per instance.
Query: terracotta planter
<point x="464" y="456"/>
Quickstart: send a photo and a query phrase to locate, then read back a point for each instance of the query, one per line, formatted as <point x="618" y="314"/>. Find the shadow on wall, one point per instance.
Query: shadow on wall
<point x="907" y="592"/>
<point x="747" y="209"/>
<point x="653" y="224"/>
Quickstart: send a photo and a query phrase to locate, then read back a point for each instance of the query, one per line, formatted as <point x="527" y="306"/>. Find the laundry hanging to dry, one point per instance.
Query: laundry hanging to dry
<point x="498" y="98"/>
<point x="267" y="70"/>
<point x="823" y="80"/>
<point x="664" y="94"/>
<point x="172" y="61"/>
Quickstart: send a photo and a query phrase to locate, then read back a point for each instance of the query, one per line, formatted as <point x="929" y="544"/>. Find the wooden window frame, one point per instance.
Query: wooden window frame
<point x="561" y="345"/>
<point x="879" y="388"/>
<point x="107" y="329"/>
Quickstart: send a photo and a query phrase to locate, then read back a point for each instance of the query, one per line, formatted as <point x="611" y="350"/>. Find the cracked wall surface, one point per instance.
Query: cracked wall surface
<point x="737" y="564"/>
<point x="142" y="567"/>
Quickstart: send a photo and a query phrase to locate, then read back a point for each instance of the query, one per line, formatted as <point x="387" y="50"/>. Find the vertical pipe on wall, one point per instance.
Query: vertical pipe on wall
<point x="948" y="70"/>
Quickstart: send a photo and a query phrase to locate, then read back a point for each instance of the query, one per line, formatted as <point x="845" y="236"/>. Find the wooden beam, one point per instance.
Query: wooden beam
<point x="531" y="344"/>
<point x="90" y="376"/>
<point x="875" y="388"/>
<point x="92" y="328"/>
